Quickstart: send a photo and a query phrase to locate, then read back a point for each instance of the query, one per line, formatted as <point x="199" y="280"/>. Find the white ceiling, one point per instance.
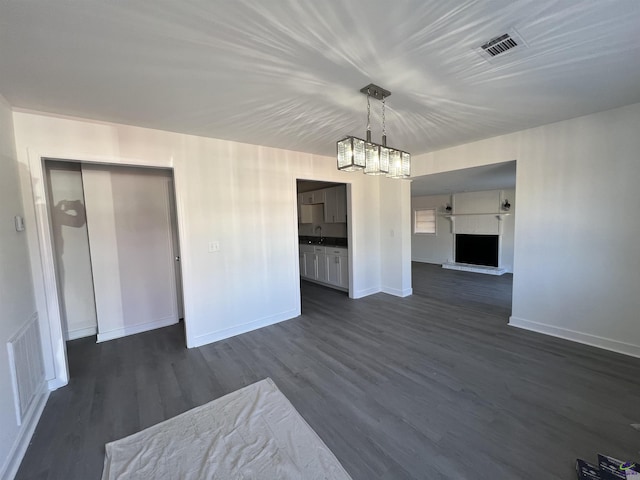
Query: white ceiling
<point x="499" y="176"/>
<point x="286" y="73"/>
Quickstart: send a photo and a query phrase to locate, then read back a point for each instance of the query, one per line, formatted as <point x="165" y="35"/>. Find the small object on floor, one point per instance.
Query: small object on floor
<point x="614" y="469"/>
<point x="587" y="471"/>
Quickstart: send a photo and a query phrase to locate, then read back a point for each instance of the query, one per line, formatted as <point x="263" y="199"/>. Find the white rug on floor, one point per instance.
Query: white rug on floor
<point x="252" y="433"/>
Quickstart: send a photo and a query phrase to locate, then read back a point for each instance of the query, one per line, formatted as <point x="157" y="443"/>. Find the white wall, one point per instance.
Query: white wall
<point x="16" y="292"/>
<point x="576" y="260"/>
<point x="395" y="236"/>
<point x="243" y="196"/>
<point x="430" y="248"/>
<point x="508" y="232"/>
<point x="439" y="248"/>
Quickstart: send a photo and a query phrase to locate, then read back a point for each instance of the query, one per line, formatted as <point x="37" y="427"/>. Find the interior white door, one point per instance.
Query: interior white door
<point x="176" y="246"/>
<point x="131" y="241"/>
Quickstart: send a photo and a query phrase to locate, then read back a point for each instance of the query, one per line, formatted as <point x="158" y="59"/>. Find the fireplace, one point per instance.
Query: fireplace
<point x="477" y="249"/>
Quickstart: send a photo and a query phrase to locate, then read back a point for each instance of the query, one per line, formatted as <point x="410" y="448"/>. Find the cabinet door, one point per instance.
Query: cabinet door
<point x="333" y="270"/>
<point x="307" y="198"/>
<point x="305" y="214"/>
<point x="310" y="269"/>
<point x="330" y="205"/>
<point x="341" y="204"/>
<point x="321" y="267"/>
<point x="318" y="196"/>
<point x="303" y="265"/>
<point x="344" y="272"/>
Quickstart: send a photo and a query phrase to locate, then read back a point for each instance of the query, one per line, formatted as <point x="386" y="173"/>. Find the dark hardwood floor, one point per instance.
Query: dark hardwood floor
<point x="432" y="386"/>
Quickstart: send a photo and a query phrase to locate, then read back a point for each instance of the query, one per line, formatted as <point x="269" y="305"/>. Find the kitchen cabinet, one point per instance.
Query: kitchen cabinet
<point x="334" y="200"/>
<point x="335" y="205"/>
<point x="309" y="198"/>
<point x="310" y="262"/>
<point x="337" y="267"/>
<point x="326" y="265"/>
<point x="313" y="263"/>
<point x="311" y="213"/>
<point x="330" y="205"/>
<point x="303" y="266"/>
<point x="321" y="264"/>
<point x="341" y="204"/>
<point x="307" y="261"/>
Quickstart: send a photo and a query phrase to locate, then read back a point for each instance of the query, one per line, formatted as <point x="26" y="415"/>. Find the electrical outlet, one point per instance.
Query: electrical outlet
<point x="214" y="247"/>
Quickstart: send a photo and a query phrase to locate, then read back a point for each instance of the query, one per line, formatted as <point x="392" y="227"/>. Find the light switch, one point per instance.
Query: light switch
<point x="214" y="247"/>
<point x="19" y="222"/>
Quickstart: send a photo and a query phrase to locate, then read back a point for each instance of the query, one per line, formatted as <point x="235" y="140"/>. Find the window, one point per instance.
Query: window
<point x="424" y="220"/>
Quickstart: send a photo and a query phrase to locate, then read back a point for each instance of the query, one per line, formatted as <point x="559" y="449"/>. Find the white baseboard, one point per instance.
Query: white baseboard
<point x="82" y="332"/>
<point x="587" y="339"/>
<point x="19" y="448"/>
<point x="55" y="383"/>
<point x="427" y="260"/>
<point x="366" y="292"/>
<point x="397" y="292"/>
<point x="133" y="329"/>
<point x="212" y="337"/>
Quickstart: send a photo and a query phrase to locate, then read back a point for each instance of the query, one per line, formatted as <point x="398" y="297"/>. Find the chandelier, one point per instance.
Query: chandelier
<point x="373" y="158"/>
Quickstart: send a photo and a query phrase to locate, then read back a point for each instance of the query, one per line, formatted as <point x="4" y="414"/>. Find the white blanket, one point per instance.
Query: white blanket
<point x="252" y="433"/>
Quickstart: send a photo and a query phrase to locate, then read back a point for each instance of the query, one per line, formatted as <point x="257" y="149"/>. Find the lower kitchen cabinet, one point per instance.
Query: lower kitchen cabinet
<point x="326" y="265"/>
<point x="303" y="265"/>
<point x="337" y="267"/>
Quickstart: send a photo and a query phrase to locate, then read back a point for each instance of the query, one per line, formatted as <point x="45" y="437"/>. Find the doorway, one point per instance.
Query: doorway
<point x="323" y="235"/>
<point x="462" y="243"/>
<point x="116" y="248"/>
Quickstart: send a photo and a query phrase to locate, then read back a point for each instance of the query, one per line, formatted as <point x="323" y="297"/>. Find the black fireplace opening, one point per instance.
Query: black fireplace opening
<point x="477" y="249"/>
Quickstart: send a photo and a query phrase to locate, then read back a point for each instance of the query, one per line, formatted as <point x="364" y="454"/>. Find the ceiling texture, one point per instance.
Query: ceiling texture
<point x="287" y="73"/>
<point x="499" y="176"/>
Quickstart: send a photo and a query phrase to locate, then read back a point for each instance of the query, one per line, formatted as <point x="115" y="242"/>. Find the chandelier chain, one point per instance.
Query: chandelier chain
<point x="384" y="127"/>
<point x="368" y="110"/>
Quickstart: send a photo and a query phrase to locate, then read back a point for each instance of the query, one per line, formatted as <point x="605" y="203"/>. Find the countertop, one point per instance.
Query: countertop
<point x="324" y="241"/>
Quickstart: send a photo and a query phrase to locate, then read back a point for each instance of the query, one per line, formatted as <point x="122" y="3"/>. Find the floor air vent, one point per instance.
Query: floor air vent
<point x="501" y="45"/>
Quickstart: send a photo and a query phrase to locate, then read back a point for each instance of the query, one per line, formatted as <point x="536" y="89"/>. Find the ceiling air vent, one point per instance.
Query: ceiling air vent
<point x="500" y="45"/>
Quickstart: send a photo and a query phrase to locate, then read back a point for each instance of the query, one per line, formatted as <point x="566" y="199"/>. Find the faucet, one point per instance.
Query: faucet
<point x="316" y="230"/>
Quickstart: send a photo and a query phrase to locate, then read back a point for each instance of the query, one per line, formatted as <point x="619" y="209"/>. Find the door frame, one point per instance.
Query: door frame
<point x="46" y="292"/>
<point x="350" y="255"/>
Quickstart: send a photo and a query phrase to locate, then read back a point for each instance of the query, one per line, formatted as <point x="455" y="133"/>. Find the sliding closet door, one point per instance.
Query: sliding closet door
<point x="130" y="236"/>
<point x="71" y="249"/>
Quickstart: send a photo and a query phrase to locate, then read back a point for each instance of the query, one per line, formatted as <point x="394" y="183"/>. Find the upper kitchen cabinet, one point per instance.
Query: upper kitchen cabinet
<point x="335" y="205"/>
<point x="317" y="196"/>
<point x="341" y="204"/>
